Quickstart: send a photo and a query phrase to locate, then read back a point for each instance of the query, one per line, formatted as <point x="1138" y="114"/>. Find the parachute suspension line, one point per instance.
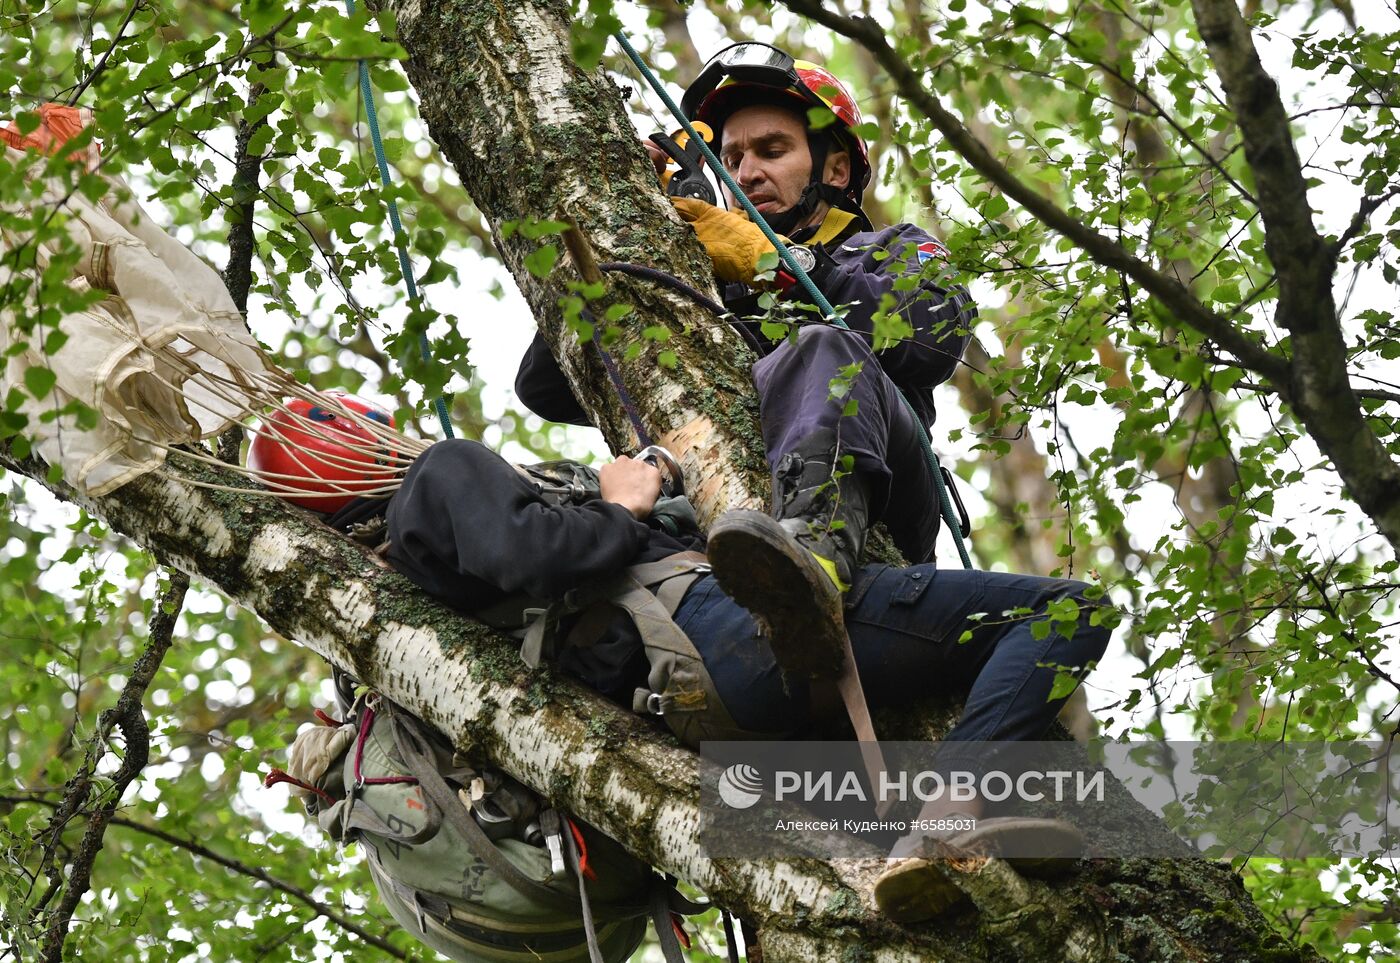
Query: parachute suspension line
<point x="945" y="503"/>
<point x="406" y="268"/>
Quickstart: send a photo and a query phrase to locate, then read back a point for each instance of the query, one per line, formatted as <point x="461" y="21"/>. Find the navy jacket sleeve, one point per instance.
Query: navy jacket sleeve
<point x="543" y="388"/>
<point x="465" y="526"/>
<point x="940" y="316"/>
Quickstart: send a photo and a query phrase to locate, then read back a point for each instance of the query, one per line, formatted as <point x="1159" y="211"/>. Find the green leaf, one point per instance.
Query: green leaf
<point x="820" y="118"/>
<point x="541" y="261"/>
<point x="39" y="381"/>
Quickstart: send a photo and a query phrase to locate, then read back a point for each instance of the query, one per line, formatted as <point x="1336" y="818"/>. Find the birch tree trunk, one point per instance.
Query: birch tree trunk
<point x="535" y="138"/>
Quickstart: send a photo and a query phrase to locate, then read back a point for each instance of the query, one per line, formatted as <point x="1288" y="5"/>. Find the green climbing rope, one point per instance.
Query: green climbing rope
<point x="406" y="268"/>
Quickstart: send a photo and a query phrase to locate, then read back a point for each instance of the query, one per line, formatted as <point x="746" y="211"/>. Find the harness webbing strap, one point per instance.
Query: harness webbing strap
<point x="661" y="920"/>
<point x="853" y="696"/>
<point x="417" y="758"/>
<point x="730" y="943"/>
<point x="590" y="929"/>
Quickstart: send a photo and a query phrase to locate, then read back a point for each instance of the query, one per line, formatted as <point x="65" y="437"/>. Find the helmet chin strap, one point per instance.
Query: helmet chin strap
<point x="785" y="222"/>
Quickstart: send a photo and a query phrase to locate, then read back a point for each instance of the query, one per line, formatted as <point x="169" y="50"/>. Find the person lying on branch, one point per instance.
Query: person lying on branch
<point x="600" y="573"/>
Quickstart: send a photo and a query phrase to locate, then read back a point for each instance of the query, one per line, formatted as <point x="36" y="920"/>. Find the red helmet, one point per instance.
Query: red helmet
<point x="750" y="72"/>
<point x="323" y="451"/>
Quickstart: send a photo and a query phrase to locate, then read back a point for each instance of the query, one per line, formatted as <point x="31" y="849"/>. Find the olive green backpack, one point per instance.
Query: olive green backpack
<point x="468" y="860"/>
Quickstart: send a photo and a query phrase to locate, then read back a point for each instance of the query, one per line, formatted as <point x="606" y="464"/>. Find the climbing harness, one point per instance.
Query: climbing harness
<point x="796" y="270"/>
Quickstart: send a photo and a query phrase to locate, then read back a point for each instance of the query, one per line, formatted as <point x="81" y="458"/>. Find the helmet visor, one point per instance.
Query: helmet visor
<point x="750" y="54"/>
<point x="748" y="62"/>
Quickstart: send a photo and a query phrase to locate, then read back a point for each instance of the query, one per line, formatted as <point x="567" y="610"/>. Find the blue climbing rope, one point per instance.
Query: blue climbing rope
<point x="945" y="503"/>
<point x="367" y="95"/>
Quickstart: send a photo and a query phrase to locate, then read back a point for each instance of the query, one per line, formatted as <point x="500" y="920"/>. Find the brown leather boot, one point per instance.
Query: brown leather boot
<point x="790" y="572"/>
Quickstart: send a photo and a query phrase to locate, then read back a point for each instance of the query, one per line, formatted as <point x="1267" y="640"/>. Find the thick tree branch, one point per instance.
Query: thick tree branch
<point x="337" y="599"/>
<point x="247" y="170"/>
<point x="1318" y="389"/>
<point x="238" y="273"/>
<point x="614" y="769"/>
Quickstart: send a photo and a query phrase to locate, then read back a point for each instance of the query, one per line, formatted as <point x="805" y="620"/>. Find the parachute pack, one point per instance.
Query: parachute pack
<point x="467" y="859"/>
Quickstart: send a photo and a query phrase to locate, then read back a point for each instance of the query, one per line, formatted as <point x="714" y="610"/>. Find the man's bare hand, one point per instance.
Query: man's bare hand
<point x="635" y="485"/>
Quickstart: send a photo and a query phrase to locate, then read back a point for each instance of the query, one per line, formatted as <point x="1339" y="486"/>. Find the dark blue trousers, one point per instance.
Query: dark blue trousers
<point x="906" y="627"/>
<point x="794" y="391"/>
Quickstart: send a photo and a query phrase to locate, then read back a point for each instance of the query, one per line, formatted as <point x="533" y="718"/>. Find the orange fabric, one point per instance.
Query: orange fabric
<point x="583" y="866"/>
<point x="57" y="126"/>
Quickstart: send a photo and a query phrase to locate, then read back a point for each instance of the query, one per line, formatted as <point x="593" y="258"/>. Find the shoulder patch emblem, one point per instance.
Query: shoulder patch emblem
<point x="932" y="249"/>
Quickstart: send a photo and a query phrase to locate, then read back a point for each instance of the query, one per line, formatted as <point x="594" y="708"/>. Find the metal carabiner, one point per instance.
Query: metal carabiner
<point x="964" y="523"/>
<point x="672" y="480"/>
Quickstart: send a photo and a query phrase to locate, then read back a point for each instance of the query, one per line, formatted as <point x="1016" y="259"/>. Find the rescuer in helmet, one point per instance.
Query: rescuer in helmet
<point x="807" y="180"/>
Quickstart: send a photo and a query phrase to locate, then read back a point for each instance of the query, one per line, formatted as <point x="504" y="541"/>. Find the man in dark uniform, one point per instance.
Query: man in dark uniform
<point x="832" y="476"/>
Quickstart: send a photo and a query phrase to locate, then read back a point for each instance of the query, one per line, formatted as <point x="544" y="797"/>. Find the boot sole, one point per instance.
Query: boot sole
<point x="916" y="890"/>
<point x="762" y="568"/>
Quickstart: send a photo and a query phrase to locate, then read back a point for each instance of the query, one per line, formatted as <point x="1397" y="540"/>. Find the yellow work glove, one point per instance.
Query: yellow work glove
<point x="733" y="242"/>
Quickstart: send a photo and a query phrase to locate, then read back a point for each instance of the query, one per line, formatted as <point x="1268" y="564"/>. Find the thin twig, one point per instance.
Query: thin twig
<point x="129" y="716"/>
<point x="1358" y="220"/>
<point x="263" y="876"/>
<point x="243" y="869"/>
<point x="101" y="64"/>
<point x="1375" y="394"/>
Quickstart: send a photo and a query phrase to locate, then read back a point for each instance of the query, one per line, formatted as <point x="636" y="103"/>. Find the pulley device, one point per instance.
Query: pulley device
<point x="690" y="180"/>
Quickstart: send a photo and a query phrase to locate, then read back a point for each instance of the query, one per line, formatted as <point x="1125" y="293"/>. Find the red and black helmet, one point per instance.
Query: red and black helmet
<point x="324" y="455"/>
<point x="750" y="72"/>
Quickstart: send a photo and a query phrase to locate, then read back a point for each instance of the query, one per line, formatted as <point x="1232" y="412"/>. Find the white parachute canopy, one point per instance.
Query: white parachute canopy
<point x="164" y="358"/>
